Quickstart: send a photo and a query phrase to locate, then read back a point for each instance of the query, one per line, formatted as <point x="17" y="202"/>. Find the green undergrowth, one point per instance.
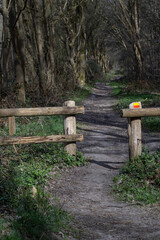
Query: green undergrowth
<point x="125" y="95"/>
<point x="113" y="75"/>
<point x="80" y="94"/>
<point x="38" y="126"/>
<point x="25" y="171"/>
<point x="139" y="180"/>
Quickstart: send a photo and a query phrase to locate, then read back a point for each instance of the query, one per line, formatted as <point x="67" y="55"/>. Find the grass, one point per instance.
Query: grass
<point x="151" y="124"/>
<point x="139" y="180"/>
<point x="37" y="126"/>
<point x="24" y="173"/>
<point x="125" y="95"/>
<point x="7" y="232"/>
<point x="80" y="94"/>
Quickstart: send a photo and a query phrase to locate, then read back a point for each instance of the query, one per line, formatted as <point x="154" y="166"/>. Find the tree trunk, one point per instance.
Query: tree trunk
<point x="139" y="61"/>
<point x="36" y="16"/>
<point x="18" y="41"/>
<point x="49" y="45"/>
<point x="5" y="47"/>
<point x="137" y="45"/>
<point x="81" y="63"/>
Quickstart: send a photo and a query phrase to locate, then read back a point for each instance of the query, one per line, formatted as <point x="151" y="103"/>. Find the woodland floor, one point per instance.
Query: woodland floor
<point x="86" y="191"/>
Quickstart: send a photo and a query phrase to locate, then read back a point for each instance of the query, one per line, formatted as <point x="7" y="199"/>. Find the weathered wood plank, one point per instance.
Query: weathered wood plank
<point x="69" y="125"/>
<point x="12" y="126"/>
<point x="136" y="138"/>
<point x="40" y="139"/>
<point x="46" y="111"/>
<point x="142" y="112"/>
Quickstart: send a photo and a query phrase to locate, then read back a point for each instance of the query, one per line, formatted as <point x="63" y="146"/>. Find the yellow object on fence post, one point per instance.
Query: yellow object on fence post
<point x="135" y="132"/>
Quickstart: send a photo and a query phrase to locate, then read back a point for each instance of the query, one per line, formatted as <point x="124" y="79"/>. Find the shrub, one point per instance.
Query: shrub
<point x="139" y="179"/>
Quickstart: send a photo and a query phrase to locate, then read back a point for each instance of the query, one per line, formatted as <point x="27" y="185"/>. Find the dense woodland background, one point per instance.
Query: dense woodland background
<point x="50" y="47"/>
<point x="50" y="50"/>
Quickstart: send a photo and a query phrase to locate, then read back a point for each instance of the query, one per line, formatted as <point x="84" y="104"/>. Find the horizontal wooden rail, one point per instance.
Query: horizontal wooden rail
<point x="69" y="122"/>
<point x="40" y="139"/>
<point x="142" y="112"/>
<point x="47" y="111"/>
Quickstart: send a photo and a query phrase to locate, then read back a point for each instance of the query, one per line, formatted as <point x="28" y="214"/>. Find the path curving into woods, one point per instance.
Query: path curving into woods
<point x="86" y="191"/>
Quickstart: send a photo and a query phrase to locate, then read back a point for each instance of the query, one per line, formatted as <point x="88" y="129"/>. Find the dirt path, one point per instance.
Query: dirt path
<point x="86" y="191"/>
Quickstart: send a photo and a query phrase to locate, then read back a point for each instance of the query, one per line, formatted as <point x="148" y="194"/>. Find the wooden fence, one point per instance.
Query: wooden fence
<point x="134" y="127"/>
<point x="69" y="138"/>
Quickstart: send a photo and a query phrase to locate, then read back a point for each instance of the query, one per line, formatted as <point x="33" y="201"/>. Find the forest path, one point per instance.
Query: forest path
<point x="86" y="191"/>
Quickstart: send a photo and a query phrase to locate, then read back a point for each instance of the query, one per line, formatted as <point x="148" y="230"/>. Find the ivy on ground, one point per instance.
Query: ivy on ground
<point x="139" y="179"/>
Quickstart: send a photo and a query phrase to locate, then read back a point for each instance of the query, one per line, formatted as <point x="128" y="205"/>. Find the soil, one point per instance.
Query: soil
<point x="86" y="192"/>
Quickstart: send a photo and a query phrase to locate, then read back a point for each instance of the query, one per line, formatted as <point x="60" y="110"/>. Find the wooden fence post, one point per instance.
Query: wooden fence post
<point x="129" y="137"/>
<point x="134" y="114"/>
<point x="135" y="133"/>
<point x="12" y="126"/>
<point x="136" y="138"/>
<point x="70" y="128"/>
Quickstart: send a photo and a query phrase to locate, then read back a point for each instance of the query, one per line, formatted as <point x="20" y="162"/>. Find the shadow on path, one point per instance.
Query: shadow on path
<point x="107" y="164"/>
<point x="87" y="191"/>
